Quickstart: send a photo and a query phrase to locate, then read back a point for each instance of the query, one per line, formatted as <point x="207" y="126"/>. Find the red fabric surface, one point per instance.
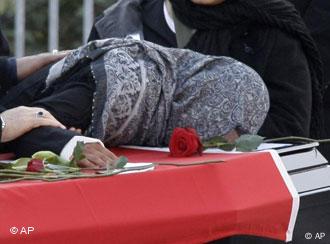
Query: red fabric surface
<point x="195" y="204"/>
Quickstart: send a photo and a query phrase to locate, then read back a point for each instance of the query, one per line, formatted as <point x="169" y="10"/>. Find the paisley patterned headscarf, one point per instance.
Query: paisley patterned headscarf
<point x="144" y="91"/>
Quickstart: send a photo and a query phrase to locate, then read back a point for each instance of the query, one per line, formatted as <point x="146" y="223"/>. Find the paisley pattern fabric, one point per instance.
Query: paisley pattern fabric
<point x="143" y="91"/>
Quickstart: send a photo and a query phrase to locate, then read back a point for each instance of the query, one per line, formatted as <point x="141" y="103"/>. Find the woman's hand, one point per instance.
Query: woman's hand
<point x="30" y="64"/>
<point x="97" y="156"/>
<point x="22" y="119"/>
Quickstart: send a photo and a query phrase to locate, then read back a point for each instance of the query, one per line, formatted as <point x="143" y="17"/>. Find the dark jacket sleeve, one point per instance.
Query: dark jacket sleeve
<point x="318" y="21"/>
<point x="4" y="47"/>
<point x="8" y="77"/>
<point x="317" y="18"/>
<point x="288" y="80"/>
<point x="2" y="108"/>
<point x="302" y="5"/>
<point x="40" y="139"/>
<point x="8" y="73"/>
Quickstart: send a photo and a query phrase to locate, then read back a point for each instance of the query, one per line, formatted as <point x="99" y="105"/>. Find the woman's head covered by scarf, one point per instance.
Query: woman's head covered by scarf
<point x="211" y="20"/>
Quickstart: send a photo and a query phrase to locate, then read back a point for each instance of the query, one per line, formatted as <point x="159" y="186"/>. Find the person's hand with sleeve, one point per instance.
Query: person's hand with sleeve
<point x="17" y="121"/>
<point x="96" y="155"/>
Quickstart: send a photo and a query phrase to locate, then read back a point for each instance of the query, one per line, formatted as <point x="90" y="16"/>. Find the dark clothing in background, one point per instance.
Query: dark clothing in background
<point x="4" y="47"/>
<point x="275" y="54"/>
<point x="8" y="77"/>
<point x="157" y="31"/>
<point x="217" y="31"/>
<point x="301" y="5"/>
<point x="317" y="17"/>
<point x="7" y="69"/>
<point x="316" y="14"/>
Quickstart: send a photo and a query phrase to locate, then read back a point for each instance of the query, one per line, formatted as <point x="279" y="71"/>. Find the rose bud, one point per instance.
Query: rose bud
<point x="35" y="165"/>
<point x="185" y="142"/>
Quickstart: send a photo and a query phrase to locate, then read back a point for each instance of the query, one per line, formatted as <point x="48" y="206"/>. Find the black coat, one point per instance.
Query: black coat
<point x="275" y="55"/>
<point x="316" y="14"/>
<point x="4" y="46"/>
<point x="8" y="76"/>
<point x="7" y="68"/>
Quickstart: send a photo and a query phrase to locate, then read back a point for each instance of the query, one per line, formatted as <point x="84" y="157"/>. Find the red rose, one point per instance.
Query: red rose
<point x="35" y="165"/>
<point x="185" y="142"/>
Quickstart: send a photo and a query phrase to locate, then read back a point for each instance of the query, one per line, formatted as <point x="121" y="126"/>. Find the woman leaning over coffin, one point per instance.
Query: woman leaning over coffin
<point x="267" y="35"/>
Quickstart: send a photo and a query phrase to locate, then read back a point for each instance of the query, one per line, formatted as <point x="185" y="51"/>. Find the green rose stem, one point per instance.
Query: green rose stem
<point x="18" y="177"/>
<point x="296" y="138"/>
<point x="19" y="172"/>
<point x="12" y="180"/>
<point x="190" y="164"/>
<point x="171" y="164"/>
<point x="50" y="178"/>
<point x="77" y="175"/>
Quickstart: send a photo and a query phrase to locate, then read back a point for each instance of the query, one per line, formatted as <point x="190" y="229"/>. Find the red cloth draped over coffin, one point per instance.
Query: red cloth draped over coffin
<point x="249" y="194"/>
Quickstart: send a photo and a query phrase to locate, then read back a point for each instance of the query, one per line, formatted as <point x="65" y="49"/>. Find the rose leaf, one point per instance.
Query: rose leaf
<point x="121" y="162"/>
<point x="248" y="143"/>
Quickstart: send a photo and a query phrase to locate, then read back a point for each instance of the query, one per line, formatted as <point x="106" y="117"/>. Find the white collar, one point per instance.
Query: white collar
<point x="168" y="18"/>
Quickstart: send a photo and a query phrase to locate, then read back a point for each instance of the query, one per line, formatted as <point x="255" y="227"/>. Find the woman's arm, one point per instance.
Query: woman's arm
<point x="14" y="69"/>
<point x="30" y="64"/>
